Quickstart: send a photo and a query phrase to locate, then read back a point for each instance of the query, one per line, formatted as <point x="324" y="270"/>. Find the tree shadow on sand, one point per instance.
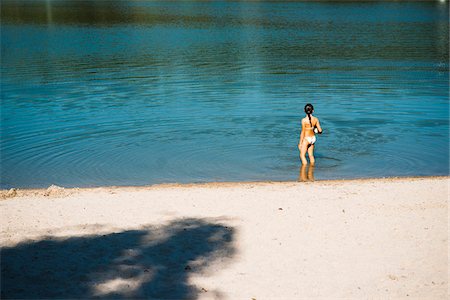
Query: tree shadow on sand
<point x="154" y="262"/>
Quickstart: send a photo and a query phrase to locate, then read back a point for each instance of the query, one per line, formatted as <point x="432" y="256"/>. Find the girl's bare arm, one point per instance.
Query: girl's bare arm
<point x="302" y="134"/>
<point x="318" y="127"/>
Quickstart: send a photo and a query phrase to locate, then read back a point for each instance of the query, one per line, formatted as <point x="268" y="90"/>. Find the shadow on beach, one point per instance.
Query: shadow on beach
<point x="154" y="262"/>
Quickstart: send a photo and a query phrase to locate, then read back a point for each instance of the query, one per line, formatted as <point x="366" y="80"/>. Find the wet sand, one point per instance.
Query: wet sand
<point x="373" y="238"/>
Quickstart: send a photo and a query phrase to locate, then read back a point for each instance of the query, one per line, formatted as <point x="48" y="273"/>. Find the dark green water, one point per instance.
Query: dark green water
<point x="133" y="93"/>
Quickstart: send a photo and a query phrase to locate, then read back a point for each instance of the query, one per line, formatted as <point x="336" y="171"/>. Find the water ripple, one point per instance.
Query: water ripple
<point x="216" y="93"/>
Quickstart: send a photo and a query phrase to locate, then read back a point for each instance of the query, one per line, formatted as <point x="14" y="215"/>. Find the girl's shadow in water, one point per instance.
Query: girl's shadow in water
<point x="151" y="263"/>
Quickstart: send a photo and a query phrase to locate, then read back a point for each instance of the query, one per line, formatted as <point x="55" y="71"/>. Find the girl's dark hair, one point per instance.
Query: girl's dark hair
<point x="308" y="110"/>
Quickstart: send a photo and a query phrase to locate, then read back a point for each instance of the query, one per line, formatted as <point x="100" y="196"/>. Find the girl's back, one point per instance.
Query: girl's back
<point x="309" y="125"/>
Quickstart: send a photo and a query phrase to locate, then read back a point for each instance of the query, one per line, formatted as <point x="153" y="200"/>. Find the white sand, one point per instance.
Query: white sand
<point x="384" y="238"/>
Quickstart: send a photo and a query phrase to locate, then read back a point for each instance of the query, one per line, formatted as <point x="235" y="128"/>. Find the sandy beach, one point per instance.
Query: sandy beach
<point x="353" y="239"/>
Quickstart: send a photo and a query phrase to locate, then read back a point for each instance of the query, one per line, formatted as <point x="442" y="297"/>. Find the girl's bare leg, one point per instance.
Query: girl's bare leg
<point x="311" y="172"/>
<point x="311" y="154"/>
<point x="303" y="147"/>
<point x="303" y="175"/>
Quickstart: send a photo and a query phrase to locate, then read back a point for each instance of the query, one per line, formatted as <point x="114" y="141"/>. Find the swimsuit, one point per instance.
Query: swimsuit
<point x="310" y="139"/>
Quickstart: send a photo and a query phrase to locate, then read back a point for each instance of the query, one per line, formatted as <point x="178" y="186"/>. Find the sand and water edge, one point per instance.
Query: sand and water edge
<point x="378" y="238"/>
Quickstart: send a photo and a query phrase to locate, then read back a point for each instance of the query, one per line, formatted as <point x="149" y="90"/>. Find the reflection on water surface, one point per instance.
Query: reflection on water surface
<point x="137" y="92"/>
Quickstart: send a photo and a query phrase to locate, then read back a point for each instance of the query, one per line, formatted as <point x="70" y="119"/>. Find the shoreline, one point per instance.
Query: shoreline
<point x="352" y="239"/>
<point x="53" y="189"/>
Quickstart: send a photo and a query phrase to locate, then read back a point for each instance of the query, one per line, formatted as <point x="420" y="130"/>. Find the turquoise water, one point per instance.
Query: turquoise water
<point x="136" y="93"/>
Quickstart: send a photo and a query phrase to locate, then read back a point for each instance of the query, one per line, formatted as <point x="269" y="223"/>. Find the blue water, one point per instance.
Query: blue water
<point x="136" y="93"/>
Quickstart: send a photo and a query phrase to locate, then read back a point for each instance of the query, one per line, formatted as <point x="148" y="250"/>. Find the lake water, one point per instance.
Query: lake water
<point x="136" y="93"/>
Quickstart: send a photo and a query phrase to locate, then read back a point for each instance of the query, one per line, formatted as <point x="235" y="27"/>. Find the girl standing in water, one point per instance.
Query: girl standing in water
<point x="310" y="126"/>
